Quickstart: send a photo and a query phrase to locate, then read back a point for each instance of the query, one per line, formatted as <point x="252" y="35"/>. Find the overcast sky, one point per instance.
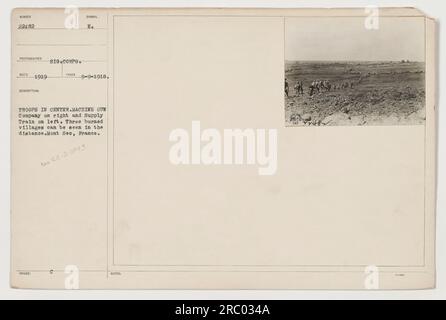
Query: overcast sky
<point x="348" y="39"/>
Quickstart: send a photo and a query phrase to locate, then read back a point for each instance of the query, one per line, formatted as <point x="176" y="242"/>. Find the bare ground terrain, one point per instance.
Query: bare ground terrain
<point x="383" y="93"/>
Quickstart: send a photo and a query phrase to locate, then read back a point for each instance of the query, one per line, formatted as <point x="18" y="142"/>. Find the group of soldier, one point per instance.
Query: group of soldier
<point x="318" y="86"/>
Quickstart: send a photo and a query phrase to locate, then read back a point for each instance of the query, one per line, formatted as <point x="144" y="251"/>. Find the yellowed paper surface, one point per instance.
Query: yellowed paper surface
<point x="223" y="149"/>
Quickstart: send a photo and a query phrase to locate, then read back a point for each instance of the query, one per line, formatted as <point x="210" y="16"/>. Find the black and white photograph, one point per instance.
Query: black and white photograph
<point x="346" y="71"/>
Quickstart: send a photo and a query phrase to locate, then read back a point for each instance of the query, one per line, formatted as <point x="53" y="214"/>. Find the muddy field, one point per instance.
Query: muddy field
<point x="383" y="93"/>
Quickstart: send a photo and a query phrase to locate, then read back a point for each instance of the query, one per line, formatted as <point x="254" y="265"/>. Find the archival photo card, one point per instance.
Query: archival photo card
<point x="223" y="148"/>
